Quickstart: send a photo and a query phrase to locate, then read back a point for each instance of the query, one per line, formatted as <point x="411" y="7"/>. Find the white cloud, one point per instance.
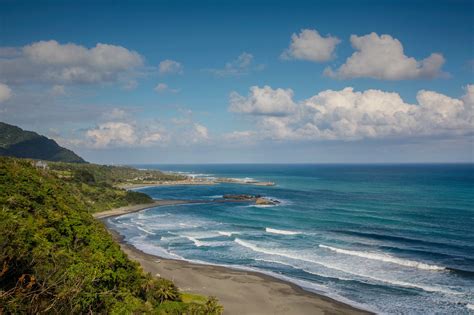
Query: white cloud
<point x="263" y="101"/>
<point x="5" y="92"/>
<point x="170" y="67"/>
<point x="112" y="134"/>
<point x="50" y="61"/>
<point x="242" y="65"/>
<point x="200" y="133"/>
<point x="310" y="45"/>
<point x="121" y="134"/>
<point x="350" y="115"/>
<point x="468" y="98"/>
<point x="163" y="87"/>
<point x="151" y="138"/>
<point x="382" y="57"/>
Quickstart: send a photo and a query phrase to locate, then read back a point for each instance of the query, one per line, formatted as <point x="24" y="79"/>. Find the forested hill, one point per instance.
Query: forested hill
<point x="17" y="142"/>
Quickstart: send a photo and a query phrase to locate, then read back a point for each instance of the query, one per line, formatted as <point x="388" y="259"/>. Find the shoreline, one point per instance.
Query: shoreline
<point x="166" y="183"/>
<point x="135" y="208"/>
<point x="239" y="291"/>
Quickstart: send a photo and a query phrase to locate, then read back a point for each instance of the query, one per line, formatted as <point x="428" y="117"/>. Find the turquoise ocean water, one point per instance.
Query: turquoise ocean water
<point x="395" y="239"/>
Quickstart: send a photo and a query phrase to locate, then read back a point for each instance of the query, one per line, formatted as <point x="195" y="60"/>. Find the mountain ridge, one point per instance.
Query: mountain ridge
<point x="20" y="143"/>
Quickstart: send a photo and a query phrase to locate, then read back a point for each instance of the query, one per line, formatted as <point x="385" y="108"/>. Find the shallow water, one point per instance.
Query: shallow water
<point x="392" y="238"/>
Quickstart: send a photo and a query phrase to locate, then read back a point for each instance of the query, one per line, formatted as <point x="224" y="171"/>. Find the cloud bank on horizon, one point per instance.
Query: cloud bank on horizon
<point x="38" y="79"/>
<point x="350" y="115"/>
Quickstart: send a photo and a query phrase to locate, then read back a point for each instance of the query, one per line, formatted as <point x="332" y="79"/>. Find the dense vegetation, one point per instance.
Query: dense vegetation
<point x="17" y="142"/>
<point x="56" y="259"/>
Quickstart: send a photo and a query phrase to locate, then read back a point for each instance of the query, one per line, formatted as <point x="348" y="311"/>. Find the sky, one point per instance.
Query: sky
<point x="122" y="82"/>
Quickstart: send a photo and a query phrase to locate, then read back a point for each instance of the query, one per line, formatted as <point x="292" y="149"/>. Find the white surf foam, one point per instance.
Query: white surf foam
<point x="260" y="206"/>
<point x="224" y="233"/>
<point x="470" y="307"/>
<point x="385" y="258"/>
<point x="243" y="180"/>
<point x="331" y="266"/>
<point x="215" y="196"/>
<point x="145" y="230"/>
<point x="196" y="242"/>
<point x="199" y="243"/>
<point x="187" y="225"/>
<point x="271" y="252"/>
<point x="199" y="175"/>
<point x="275" y="261"/>
<point x="282" y="232"/>
<point x="154" y="250"/>
<point x="126" y="224"/>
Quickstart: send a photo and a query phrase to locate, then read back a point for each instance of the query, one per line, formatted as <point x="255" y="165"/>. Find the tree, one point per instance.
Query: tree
<point x="212" y="306"/>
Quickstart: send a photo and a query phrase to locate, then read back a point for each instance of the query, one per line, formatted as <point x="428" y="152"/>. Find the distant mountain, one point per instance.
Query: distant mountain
<point x="17" y="142"/>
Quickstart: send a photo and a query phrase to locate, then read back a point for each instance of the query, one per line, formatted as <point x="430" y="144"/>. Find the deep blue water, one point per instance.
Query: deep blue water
<point x="390" y="238"/>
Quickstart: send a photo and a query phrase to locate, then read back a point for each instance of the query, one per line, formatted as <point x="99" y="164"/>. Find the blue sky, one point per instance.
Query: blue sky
<point x="115" y="113"/>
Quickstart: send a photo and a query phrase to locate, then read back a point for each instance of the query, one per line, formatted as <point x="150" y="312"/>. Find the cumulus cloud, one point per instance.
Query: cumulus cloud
<point x="350" y="115"/>
<point x="50" y="61"/>
<point x="310" y="45"/>
<point x="169" y="66"/>
<point x="5" y="92"/>
<point x="382" y="57"/>
<point x="163" y="87"/>
<point x="242" y="65"/>
<point x="112" y="133"/>
<point x="121" y="134"/>
<point x="263" y="101"/>
<point x="200" y="133"/>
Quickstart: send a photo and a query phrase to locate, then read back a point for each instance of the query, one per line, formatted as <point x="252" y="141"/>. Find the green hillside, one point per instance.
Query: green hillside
<point x="55" y="258"/>
<point x="114" y="175"/>
<point x="17" y="142"/>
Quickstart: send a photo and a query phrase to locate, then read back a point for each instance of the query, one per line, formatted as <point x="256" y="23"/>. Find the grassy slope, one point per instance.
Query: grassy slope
<point x="55" y="258"/>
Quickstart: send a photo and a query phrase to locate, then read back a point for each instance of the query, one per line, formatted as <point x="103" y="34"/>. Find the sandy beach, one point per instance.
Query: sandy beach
<point x="240" y="292"/>
<point x="136" y="208"/>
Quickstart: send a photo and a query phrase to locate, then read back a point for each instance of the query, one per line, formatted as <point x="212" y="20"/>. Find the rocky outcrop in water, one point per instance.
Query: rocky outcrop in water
<point x="258" y="199"/>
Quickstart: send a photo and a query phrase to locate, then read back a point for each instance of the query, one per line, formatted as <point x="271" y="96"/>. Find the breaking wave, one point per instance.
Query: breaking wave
<point x="282" y="232"/>
<point x="224" y="233"/>
<point x="385" y="258"/>
<point x="331" y="266"/>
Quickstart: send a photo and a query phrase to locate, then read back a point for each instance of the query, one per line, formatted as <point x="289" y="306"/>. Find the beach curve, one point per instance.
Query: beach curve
<point x="240" y="291"/>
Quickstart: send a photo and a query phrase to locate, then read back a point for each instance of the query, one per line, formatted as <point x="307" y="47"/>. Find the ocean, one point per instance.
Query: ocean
<point x="393" y="239"/>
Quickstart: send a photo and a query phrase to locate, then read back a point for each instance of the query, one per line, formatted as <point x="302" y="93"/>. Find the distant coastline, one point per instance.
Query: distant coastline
<point x="190" y="180"/>
<point x="257" y="292"/>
